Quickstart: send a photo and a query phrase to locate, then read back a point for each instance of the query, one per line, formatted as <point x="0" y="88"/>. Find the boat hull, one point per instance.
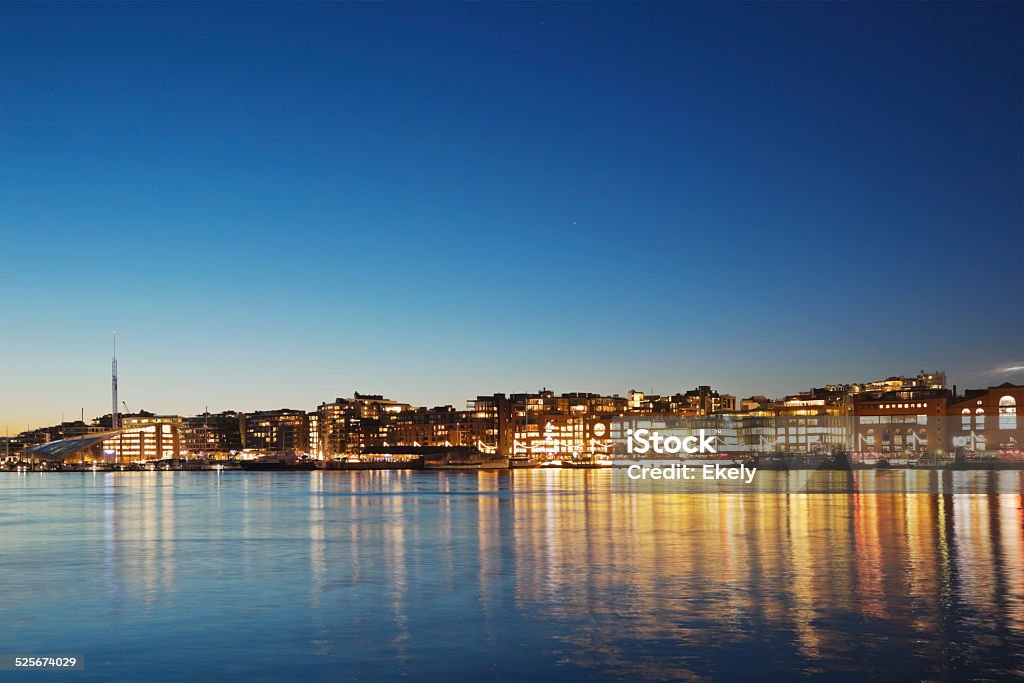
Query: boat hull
<point x="278" y="466"/>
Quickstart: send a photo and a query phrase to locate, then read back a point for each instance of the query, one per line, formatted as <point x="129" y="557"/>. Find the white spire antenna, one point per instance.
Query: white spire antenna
<point x="113" y="386"/>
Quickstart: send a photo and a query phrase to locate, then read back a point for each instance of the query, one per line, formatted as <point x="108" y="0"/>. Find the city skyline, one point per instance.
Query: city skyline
<point x="917" y="416"/>
<point x="279" y="204"/>
<point x="84" y="415"/>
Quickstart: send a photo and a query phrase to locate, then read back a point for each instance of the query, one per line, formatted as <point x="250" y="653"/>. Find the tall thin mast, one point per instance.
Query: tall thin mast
<point x="113" y="386"/>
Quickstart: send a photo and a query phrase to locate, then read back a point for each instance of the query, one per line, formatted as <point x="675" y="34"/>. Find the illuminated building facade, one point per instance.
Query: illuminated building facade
<point x="697" y="402"/>
<point x="894" y="423"/>
<point x="544" y="425"/>
<point x="212" y="434"/>
<point x="924" y="384"/>
<point x="145" y="437"/>
<point x="351" y="425"/>
<point x="811" y="425"/>
<point x="796" y="425"/>
<point x="443" y="426"/>
<point x="315" y="451"/>
<point x="277" y="431"/>
<point x="982" y="422"/>
<point x="987" y="420"/>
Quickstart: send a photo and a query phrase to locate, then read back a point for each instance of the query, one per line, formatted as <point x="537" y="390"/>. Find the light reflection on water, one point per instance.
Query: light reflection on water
<point x="496" y="576"/>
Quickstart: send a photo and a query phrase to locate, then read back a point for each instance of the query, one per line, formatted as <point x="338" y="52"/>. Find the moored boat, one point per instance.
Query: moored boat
<point x="273" y="463"/>
<point x="520" y="462"/>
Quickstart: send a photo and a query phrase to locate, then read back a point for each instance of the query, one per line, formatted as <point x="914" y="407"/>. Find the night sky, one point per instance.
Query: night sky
<point x="278" y="204"/>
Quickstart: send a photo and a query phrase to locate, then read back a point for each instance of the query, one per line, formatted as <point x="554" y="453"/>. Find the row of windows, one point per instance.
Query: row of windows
<point x="887" y="419"/>
<point x="1007" y="415"/>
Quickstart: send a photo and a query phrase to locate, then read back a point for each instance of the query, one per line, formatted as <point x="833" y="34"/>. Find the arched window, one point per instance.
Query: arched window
<point x="979" y="419"/>
<point x="1007" y="412"/>
<point x="965" y="419"/>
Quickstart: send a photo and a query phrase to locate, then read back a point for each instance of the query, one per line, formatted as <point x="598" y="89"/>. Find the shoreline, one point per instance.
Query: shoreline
<point x="988" y="467"/>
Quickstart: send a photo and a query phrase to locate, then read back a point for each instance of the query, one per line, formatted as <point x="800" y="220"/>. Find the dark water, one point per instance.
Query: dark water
<point x="540" y="575"/>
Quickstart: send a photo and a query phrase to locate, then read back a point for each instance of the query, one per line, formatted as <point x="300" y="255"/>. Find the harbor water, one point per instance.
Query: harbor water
<point x="506" y="576"/>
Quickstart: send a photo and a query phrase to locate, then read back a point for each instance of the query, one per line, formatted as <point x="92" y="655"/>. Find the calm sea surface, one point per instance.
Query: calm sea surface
<point x="536" y="575"/>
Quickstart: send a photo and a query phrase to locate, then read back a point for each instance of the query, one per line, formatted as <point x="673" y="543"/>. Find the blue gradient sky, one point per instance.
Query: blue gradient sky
<point x="277" y="204"/>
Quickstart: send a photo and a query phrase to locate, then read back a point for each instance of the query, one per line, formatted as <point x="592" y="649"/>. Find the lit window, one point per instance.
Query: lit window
<point x="979" y="419"/>
<point x="1007" y="412"/>
<point x="965" y="419"/>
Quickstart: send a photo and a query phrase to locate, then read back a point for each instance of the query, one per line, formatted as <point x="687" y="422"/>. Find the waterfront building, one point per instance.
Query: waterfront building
<point x="442" y="426"/>
<point x="544" y="425"/>
<point x="351" y="425"/>
<point x="982" y="422"/>
<point x="987" y="421"/>
<point x="145" y="437"/>
<point x="276" y="431"/>
<point x="212" y="434"/>
<point x="79" y="449"/>
<point x="570" y="425"/>
<point x="819" y="423"/>
<point x="142" y="437"/>
<point x="315" y="451"/>
<point x="795" y="425"/>
<point x="496" y="411"/>
<point x="898" y="422"/>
